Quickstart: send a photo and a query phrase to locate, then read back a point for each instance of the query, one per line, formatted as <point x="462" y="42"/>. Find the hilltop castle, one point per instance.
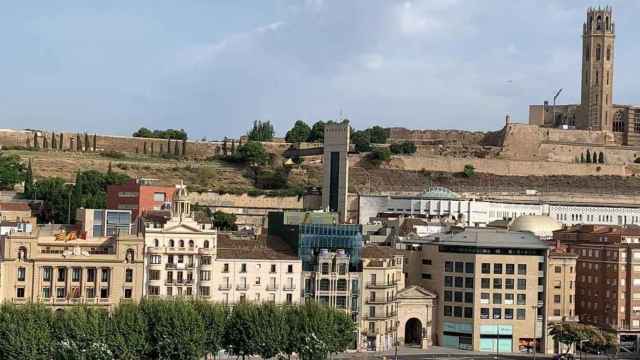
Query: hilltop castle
<point x="596" y="110"/>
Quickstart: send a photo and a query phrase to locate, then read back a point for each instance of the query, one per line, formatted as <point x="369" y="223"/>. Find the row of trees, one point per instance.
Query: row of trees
<point x="593" y="158"/>
<point x="584" y="337"/>
<point x="173" y="329"/>
<point x="175" y="134"/>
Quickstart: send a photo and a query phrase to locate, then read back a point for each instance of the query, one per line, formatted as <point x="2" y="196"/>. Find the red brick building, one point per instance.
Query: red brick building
<point x="139" y="195"/>
<point x="607" y="278"/>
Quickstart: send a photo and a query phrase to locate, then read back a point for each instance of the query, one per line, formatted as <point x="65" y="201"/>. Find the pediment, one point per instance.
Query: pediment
<point x="182" y="228"/>
<point x="416" y="292"/>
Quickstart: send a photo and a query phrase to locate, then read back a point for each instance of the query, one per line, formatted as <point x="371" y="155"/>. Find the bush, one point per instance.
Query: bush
<point x="161" y="134"/>
<point x="113" y="154"/>
<point x="469" y="170"/>
<point x="271" y="180"/>
<point x="261" y="131"/>
<point x="406" y="147"/>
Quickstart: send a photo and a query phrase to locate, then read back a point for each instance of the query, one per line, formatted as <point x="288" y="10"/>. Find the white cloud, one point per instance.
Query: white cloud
<point x="413" y="20"/>
<point x="371" y="61"/>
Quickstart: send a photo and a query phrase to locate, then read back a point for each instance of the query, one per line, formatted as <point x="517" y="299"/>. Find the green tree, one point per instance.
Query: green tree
<point x="343" y="331"/>
<point x="299" y="133"/>
<point x="252" y="153"/>
<point x="80" y="333"/>
<point x="270" y="338"/>
<point x="127" y="333"/>
<point x="272" y="179"/>
<point x="601" y="158"/>
<point x="224" y="221"/>
<point x="261" y="131"/>
<point x="380" y="155"/>
<point x="361" y="141"/>
<point x="54" y="141"/>
<point x="241" y="331"/>
<point x="12" y="171"/>
<point x="469" y="171"/>
<point x="214" y="316"/>
<point x="176" y="330"/>
<point x="28" y="181"/>
<point x="317" y="132"/>
<point x="55" y="195"/>
<point x="569" y="333"/>
<point x="25" y="332"/>
<point x="405" y="147"/>
<point x="377" y="135"/>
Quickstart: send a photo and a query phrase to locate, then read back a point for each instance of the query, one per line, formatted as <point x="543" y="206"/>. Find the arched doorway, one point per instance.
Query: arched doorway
<point x="413" y="332"/>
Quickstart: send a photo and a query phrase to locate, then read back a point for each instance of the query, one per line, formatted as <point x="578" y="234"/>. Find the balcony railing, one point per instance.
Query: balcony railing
<point x="224" y="287"/>
<point x="242" y="287"/>
<point x="381" y="284"/>
<point x="376" y="301"/>
<point x="272" y="287"/>
<point x="289" y="287"/>
<point x="379" y="316"/>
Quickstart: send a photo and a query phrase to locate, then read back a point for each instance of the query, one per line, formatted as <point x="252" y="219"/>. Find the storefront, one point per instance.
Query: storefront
<point x="458" y="335"/>
<point x="496" y="338"/>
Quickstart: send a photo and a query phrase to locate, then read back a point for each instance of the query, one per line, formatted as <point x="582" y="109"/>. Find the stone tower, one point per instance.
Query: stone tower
<point x="598" y="37"/>
<point x="336" y="168"/>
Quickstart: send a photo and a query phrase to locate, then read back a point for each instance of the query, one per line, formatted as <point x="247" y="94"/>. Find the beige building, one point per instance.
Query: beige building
<point x="336" y="168"/>
<point x="51" y="265"/>
<point x="490" y="284"/>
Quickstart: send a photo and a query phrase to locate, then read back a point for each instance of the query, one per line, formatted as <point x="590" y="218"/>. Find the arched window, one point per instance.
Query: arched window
<point x="130" y="256"/>
<point x="181" y="243"/>
<point x="191" y="243"/>
<point x="599" y="23"/>
<point x="156" y="243"/>
<point x="206" y="244"/>
<point x="609" y="53"/>
<point x="597" y="77"/>
<point x="608" y="24"/>
<point x="22" y="253"/>
<point x="598" y="53"/>
<point x="618" y="121"/>
<point x="172" y="243"/>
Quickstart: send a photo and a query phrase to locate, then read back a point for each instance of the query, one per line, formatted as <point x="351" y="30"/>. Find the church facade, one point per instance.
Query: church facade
<point x="596" y="111"/>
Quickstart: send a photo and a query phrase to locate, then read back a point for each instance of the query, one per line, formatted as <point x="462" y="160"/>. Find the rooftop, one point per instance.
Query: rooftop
<point x="264" y="248"/>
<point x="490" y="238"/>
<point x="14" y="206"/>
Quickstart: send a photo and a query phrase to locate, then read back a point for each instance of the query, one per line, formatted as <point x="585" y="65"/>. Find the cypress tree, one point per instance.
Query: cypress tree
<point x="233" y="146"/>
<point x="54" y="143"/>
<point x="152" y="148"/>
<point x="45" y="143"/>
<point x="36" y="145"/>
<point x="176" y="150"/>
<point x="224" y="146"/>
<point x="95" y="140"/>
<point x="78" y="143"/>
<point x="86" y="142"/>
<point x="184" y="147"/>
<point x="61" y="144"/>
<point x="28" y="181"/>
<point x="588" y="157"/>
<point x="144" y="147"/>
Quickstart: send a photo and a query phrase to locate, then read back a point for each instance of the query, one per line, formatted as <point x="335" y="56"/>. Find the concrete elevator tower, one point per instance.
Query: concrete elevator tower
<point x="336" y="168"/>
<point x="598" y="35"/>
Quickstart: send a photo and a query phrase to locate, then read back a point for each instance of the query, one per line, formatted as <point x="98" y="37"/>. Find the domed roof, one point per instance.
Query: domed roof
<point x="539" y="225"/>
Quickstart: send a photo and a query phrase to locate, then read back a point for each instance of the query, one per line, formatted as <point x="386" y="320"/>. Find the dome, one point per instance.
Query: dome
<point x="540" y="225"/>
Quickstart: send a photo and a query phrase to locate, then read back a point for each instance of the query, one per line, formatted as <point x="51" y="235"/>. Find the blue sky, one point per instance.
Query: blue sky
<point x="212" y="67"/>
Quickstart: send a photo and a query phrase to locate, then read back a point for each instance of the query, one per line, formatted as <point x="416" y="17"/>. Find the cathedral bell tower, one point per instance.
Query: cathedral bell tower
<point x="598" y="35"/>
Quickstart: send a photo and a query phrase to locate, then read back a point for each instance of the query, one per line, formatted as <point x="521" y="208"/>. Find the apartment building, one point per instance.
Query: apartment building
<point x="52" y="265"/>
<point x="560" y="297"/>
<point x="179" y="250"/>
<point x="607" y="278"/>
<point x="490" y="284"/>
<point x="264" y="270"/>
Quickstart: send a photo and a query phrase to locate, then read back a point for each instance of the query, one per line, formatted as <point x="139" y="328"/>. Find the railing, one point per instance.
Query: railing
<point x="242" y="287"/>
<point x="290" y="287"/>
<point x="171" y="266"/>
<point x="272" y="287"/>
<point x="381" y="284"/>
<point x="224" y="287"/>
<point x="379" y="316"/>
<point x="169" y="282"/>
<point x="376" y="301"/>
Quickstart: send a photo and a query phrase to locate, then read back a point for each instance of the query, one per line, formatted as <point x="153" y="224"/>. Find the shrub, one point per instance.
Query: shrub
<point x="113" y="154"/>
<point x="469" y="170"/>
<point x="405" y="147"/>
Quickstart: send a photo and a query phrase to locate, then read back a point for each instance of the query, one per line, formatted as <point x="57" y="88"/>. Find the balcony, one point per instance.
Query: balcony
<point x="206" y="251"/>
<point x="272" y="287"/>
<point x="370" y="332"/>
<point x="224" y="287"/>
<point x="290" y="287"/>
<point x="381" y="284"/>
<point x="171" y="266"/>
<point x="169" y="282"/>
<point x="379" y="316"/>
<point x="376" y="301"/>
<point x="242" y="287"/>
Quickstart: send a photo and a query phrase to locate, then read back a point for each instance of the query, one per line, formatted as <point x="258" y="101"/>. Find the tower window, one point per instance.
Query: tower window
<point x="597" y="77"/>
<point x="609" y="53"/>
<point x="599" y="23"/>
<point x="607" y="78"/>
<point x="608" y="24"/>
<point x="586" y="53"/>
<point x="618" y="121"/>
<point x="598" y="53"/>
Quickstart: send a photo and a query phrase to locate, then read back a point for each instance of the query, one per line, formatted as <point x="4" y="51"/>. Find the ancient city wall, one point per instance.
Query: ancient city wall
<point x="504" y="167"/>
<point x="443" y="136"/>
<point x="244" y="200"/>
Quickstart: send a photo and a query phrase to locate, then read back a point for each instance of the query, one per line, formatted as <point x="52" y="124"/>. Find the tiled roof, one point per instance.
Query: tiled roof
<point x="264" y="248"/>
<point x="14" y="206"/>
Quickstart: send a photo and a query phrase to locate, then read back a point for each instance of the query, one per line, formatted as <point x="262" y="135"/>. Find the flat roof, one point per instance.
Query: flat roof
<point x="490" y="238"/>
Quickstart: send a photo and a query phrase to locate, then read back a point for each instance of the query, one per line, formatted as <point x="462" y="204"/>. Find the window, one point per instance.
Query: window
<point x="205" y="275"/>
<point x="62" y="272"/>
<point x="485" y="283"/>
<point x="509" y="269"/>
<point x="497" y="298"/>
<point x="426" y="261"/>
<point x="156" y="259"/>
<point x="91" y="275"/>
<point x="448" y="266"/>
<point x="341" y="285"/>
<point x="556" y="299"/>
<point x="448" y="295"/>
<point x="557" y="269"/>
<point x="324" y="267"/>
<point x="508" y="284"/>
<point x="172" y="243"/>
<point x="522" y="269"/>
<point x="243" y="268"/>
<point x="497" y="313"/>
<point x="46" y="273"/>
<point x="457" y="311"/>
<point x="448" y="281"/>
<point x="508" y="314"/>
<point x="522" y="299"/>
<point x="497" y="283"/>
<point x="484" y="298"/>
<point x="468" y="283"/>
<point x="154" y="274"/>
<point x="290" y="300"/>
<point x="484" y="313"/>
<point x="105" y="275"/>
<point x="60" y="293"/>
<point x="468" y="312"/>
<point x="20" y="292"/>
<point x="598" y="53"/>
<point x="486" y="268"/>
<point x="426" y="276"/>
<point x="508" y="299"/>
<point x="459" y="282"/>
<point x="468" y="297"/>
<point x="46" y="292"/>
<point x="22" y="274"/>
<point x="459" y="267"/>
<point x="128" y="293"/>
<point x="159" y="197"/>
<point x="181" y="243"/>
<point x="191" y="244"/>
<point x="457" y="296"/>
<point x="520" y="314"/>
<point x="290" y="268"/>
<point x="522" y="284"/>
<point x="448" y="311"/>
<point x="75" y="274"/>
<point x="128" y="276"/>
<point x="324" y="285"/>
<point x="497" y="268"/>
<point x="469" y="268"/>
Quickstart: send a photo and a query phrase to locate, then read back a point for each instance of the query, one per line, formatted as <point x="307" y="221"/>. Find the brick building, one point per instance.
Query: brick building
<point x="139" y="195"/>
<point x="607" y="278"/>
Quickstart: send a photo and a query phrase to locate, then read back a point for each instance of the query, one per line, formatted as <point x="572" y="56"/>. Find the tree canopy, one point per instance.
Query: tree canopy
<point x="12" y="171"/>
<point x="261" y="131"/>
<point x="224" y="221"/>
<point x="176" y="134"/>
<point x="299" y="133"/>
<point x="252" y="153"/>
<point x="588" y="337"/>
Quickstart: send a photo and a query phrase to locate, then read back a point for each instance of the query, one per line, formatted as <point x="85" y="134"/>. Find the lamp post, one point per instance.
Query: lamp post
<point x="555" y="97"/>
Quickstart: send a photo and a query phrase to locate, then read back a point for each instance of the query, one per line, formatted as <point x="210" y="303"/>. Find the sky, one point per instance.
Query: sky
<point x="213" y="67"/>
